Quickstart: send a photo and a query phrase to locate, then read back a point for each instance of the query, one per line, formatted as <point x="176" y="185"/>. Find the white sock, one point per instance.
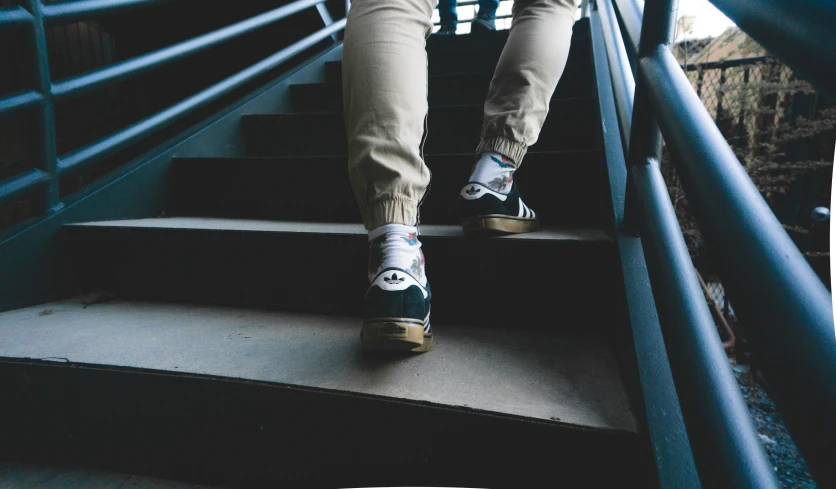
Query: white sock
<point x="396" y="245"/>
<point x="494" y="171"/>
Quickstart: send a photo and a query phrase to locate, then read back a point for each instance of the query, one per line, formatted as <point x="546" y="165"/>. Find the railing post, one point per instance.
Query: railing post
<point x="46" y="153"/>
<point x="645" y="138"/>
<point x="584" y="8"/>
<point x="727" y="450"/>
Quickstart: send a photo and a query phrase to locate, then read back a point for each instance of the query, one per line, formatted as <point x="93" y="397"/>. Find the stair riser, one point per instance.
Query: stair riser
<point x="239" y="434"/>
<point x="556" y="185"/>
<point x="532" y="284"/>
<point x="570" y="126"/>
<point x="471" y="56"/>
<point x="443" y="90"/>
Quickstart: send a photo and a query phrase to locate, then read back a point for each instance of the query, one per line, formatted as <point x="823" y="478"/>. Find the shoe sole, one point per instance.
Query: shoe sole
<point x="481" y="26"/>
<point x="493" y="224"/>
<point x="394" y="334"/>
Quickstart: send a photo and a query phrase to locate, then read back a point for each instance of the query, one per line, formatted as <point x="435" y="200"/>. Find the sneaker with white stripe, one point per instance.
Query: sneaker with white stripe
<point x="396" y="315"/>
<point x="483" y="210"/>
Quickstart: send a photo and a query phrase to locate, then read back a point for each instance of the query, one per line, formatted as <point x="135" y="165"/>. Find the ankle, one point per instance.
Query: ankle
<point x="494" y="171"/>
<point x="396" y="246"/>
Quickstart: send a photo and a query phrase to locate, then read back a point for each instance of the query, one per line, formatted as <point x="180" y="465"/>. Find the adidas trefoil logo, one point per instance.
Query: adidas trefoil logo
<point x="394" y="279"/>
<point x="473" y="190"/>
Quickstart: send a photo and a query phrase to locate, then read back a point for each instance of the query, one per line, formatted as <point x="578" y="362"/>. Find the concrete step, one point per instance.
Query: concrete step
<point x="570" y="126"/>
<point x="555" y="279"/>
<point x="456" y="89"/>
<point x="22" y="475"/>
<point x="479" y="53"/>
<point x="562" y="187"/>
<point x="236" y="397"/>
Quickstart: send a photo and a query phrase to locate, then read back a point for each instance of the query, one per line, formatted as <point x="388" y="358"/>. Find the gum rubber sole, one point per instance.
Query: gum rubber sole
<point x="495" y="224"/>
<point x="394" y="334"/>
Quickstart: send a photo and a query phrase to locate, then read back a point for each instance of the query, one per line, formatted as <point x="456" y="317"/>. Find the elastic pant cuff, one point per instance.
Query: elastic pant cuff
<point x="504" y="146"/>
<point x="390" y="211"/>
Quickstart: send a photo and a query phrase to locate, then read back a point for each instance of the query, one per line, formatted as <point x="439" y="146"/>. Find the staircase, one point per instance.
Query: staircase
<point x="223" y="347"/>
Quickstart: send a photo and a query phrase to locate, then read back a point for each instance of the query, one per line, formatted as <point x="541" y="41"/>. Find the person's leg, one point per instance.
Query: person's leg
<point x="449" y="17"/>
<point x="518" y="100"/>
<point x="385" y="103"/>
<point x="486" y="17"/>
<point x="526" y="75"/>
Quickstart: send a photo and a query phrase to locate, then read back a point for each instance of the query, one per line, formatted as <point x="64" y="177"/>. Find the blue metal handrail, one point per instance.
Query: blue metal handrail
<point x="14" y="17"/>
<point x="157" y="59"/>
<point x="36" y="15"/>
<point x="784" y="305"/>
<point x="19" y="102"/>
<point x="82" y="9"/>
<point x="111" y="144"/>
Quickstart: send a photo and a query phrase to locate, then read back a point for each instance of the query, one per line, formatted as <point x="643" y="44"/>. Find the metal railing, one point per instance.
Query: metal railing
<point x="34" y="16"/>
<point x="784" y="306"/>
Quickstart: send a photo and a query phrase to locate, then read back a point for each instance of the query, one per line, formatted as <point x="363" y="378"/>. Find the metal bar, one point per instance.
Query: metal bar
<point x="624" y="85"/>
<point x="66" y="12"/>
<point x="670" y="447"/>
<point x="465" y="3"/>
<point x="464" y="21"/>
<point x="46" y="155"/>
<point x="778" y="297"/>
<point x="122" y="139"/>
<point x="645" y="147"/>
<point x="21" y="184"/>
<point x="731" y="63"/>
<point x="799" y="32"/>
<point x="719" y="107"/>
<point x="14" y="17"/>
<point x="630" y="12"/>
<point x="726" y="446"/>
<point x="584" y="8"/>
<point x="137" y="66"/>
<point x="13" y="104"/>
<point x="700" y="80"/>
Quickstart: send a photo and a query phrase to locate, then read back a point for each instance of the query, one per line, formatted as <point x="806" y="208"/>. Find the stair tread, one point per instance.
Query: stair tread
<point x="541" y="376"/>
<point x="257" y="225"/>
<point x="22" y="475"/>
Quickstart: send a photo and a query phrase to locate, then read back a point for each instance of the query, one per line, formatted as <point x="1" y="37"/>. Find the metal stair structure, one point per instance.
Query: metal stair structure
<point x="236" y="319"/>
<point x="190" y="314"/>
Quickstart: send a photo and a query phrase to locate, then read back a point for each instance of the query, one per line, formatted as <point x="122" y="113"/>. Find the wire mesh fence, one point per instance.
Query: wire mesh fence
<point x="718" y="294"/>
<point x="781" y="129"/>
<point x="752" y="100"/>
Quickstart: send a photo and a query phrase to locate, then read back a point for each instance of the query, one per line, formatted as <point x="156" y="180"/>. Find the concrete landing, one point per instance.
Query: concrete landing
<point x="553" y="377"/>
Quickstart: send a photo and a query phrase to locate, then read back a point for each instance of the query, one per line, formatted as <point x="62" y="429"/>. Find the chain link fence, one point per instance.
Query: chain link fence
<point x="747" y="100"/>
<point x="751" y="100"/>
<point x="781" y="130"/>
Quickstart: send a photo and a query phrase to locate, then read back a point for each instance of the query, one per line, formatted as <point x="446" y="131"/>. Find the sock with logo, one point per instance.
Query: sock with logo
<point x="494" y="171"/>
<point x="396" y="245"/>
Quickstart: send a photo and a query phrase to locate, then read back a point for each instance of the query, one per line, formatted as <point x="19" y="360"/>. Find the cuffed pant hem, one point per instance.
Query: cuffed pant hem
<point x="390" y="211"/>
<point x="504" y="146"/>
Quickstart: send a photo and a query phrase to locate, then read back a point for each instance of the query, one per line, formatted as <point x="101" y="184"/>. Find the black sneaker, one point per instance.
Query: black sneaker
<point x="483" y="23"/>
<point x="397" y="314"/>
<point x="446" y="30"/>
<point x="483" y="210"/>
